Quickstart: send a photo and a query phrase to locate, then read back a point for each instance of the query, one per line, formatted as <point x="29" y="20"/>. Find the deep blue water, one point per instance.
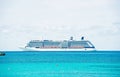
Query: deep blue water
<point x="60" y="64"/>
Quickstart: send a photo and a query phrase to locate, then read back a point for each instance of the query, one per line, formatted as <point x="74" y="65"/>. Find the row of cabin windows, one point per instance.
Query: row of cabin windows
<point x="57" y="44"/>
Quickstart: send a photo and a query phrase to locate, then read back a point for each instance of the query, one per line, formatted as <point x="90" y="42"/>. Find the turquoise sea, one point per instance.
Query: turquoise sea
<point x="60" y="64"/>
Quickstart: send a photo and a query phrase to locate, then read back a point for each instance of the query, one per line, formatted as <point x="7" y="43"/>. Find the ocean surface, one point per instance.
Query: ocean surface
<point x="60" y="64"/>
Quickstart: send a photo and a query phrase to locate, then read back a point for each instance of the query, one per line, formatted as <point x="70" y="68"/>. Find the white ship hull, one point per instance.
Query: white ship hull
<point x="58" y="49"/>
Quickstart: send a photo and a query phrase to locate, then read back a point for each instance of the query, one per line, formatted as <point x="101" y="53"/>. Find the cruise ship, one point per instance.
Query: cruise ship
<point x="65" y="45"/>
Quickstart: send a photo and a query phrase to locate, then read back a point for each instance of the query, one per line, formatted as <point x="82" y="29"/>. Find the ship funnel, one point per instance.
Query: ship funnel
<point x="71" y="38"/>
<point x="82" y="38"/>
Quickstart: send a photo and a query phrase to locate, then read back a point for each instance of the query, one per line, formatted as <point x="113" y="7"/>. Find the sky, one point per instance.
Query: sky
<point x="25" y="20"/>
